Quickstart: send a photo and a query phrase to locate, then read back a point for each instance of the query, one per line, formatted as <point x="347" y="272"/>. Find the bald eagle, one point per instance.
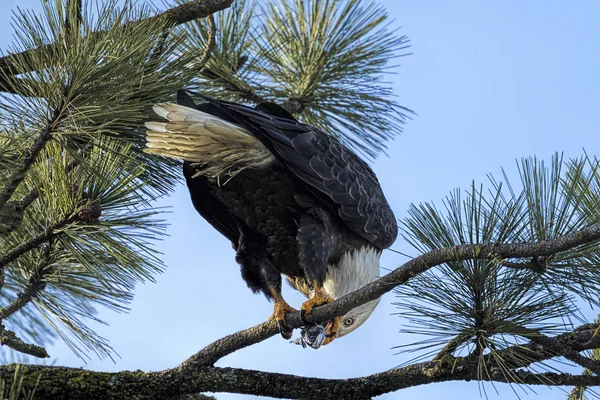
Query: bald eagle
<point x="292" y="199"/>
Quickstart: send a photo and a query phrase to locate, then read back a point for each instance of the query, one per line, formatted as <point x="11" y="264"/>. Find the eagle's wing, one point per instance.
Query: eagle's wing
<point x="210" y="208"/>
<point x="334" y="173"/>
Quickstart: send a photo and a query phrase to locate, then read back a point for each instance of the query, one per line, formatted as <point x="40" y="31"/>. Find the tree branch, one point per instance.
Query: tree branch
<point x="63" y="383"/>
<point x="568" y="353"/>
<point x="10" y="339"/>
<point x="452" y="346"/>
<point x="582" y="338"/>
<point x="435" y="257"/>
<point x="210" y="45"/>
<point x="17" y="177"/>
<point x="35" y="284"/>
<point x="229" y="344"/>
<point x="537" y="264"/>
<point x="78" y="5"/>
<point x="35" y="241"/>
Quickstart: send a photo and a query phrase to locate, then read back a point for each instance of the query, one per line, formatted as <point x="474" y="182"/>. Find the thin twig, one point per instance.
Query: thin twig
<point x="537" y="264"/>
<point x="11" y="340"/>
<point x="577" y="393"/>
<point x="210" y="45"/>
<point x="452" y="346"/>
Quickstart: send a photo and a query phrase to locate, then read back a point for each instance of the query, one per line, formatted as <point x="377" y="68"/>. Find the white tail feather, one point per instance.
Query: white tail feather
<point x="216" y="145"/>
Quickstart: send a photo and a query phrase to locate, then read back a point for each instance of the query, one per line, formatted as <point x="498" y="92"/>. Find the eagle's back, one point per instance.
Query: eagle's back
<point x="321" y="166"/>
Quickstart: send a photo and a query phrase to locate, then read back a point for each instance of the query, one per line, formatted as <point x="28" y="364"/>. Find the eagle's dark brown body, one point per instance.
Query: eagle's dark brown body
<point x="261" y="212"/>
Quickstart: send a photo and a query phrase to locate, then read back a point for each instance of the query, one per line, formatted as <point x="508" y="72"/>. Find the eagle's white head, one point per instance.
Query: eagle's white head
<point x="355" y="269"/>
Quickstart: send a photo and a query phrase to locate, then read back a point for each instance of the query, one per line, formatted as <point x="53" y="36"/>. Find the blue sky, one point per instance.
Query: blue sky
<point x="491" y="82"/>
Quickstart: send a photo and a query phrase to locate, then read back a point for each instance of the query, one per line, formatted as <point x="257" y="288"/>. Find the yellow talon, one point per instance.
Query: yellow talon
<point x="320" y="298"/>
<point x="280" y="309"/>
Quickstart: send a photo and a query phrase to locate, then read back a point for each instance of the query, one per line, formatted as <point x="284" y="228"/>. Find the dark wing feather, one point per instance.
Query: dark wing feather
<point x="274" y="109"/>
<point x="210" y="208"/>
<point x="332" y="172"/>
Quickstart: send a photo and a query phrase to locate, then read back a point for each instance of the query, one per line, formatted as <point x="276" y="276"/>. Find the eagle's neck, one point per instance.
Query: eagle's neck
<point x="355" y="269"/>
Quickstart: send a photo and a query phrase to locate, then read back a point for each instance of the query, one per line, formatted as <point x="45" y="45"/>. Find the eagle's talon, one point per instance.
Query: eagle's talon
<point x="281" y="309"/>
<point x="320" y="298"/>
<point x="303" y="316"/>
<point x="331" y="331"/>
<point x="284" y="330"/>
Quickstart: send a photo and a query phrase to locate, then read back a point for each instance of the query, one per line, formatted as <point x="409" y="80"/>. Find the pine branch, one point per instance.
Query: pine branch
<point x="36" y="241"/>
<point x="372" y="291"/>
<point x="436" y="257"/>
<point x="11" y="216"/>
<point x="210" y="45"/>
<point x="452" y="346"/>
<point x="582" y="338"/>
<point x="567" y="352"/>
<point x="537" y="264"/>
<point x="174" y="16"/>
<point x="34" y="286"/>
<point x="578" y="391"/>
<point x="10" y="339"/>
<point x="198" y="396"/>
<point x="247" y="93"/>
<point x="38" y="145"/>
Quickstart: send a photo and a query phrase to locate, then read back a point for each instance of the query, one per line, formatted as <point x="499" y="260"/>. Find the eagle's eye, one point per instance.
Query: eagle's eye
<point x="349" y="321"/>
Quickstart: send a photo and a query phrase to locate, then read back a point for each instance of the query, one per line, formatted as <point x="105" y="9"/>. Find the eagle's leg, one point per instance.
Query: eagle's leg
<point x="316" y="244"/>
<point x="272" y="281"/>
<point x="261" y="276"/>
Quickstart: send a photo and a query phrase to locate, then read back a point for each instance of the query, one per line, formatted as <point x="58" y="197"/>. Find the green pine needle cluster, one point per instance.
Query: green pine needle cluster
<point x="324" y="61"/>
<point x="79" y="185"/>
<point x="486" y="305"/>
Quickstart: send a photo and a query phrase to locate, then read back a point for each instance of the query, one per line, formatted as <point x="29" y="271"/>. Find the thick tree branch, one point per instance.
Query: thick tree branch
<point x="567" y="352"/>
